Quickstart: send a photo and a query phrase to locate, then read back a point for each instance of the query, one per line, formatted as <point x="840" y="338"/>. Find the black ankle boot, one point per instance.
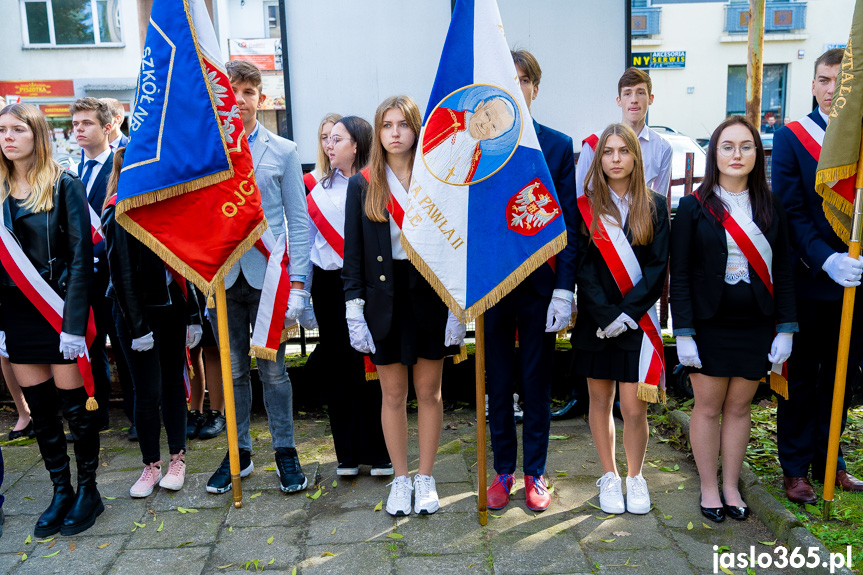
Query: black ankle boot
<point x="48" y="427"/>
<point x="84" y="427"/>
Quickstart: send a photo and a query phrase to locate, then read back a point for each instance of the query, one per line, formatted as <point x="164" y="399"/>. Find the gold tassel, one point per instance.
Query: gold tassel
<point x="460" y="356"/>
<point x="647" y="392"/>
<point x="91" y="405"/>
<point x="290" y="332"/>
<point x="779" y="384"/>
<point x="211" y="303"/>
<point x="148" y="198"/>
<point x="191" y="371"/>
<point x="263" y="353"/>
<point x="372" y="376"/>
<point x="825" y="176"/>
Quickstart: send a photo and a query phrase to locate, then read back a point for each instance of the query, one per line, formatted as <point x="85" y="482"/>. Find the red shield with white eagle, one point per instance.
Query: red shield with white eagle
<point x="531" y="209"/>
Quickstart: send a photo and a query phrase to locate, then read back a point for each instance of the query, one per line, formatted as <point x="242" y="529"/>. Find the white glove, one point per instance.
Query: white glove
<point x="780" y="351"/>
<point x="72" y="346"/>
<point x="358" y="329"/>
<point x="844" y="270"/>
<point x="559" y="311"/>
<point x="307" y="318"/>
<point x="3" y="351"/>
<point x="193" y="335"/>
<point x="455" y="331"/>
<point x="616" y="327"/>
<point x="687" y="351"/>
<point x="144" y="343"/>
<point x="296" y="303"/>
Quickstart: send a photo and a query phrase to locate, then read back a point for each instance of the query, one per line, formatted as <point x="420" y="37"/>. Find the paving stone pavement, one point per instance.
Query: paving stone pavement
<point x="339" y="531"/>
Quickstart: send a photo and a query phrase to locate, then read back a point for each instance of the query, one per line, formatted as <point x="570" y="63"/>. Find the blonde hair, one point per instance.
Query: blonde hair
<point x="322" y="164"/>
<point x="378" y="194"/>
<point x="596" y="188"/>
<point x="44" y="171"/>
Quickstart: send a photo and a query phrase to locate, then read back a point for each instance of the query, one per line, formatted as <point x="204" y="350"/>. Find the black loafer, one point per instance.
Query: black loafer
<point x="739" y="513"/>
<point x="26" y="432"/>
<point x="715" y="514"/>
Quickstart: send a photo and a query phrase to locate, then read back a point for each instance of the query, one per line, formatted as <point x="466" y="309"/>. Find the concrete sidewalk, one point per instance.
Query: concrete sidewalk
<point x="339" y="531"/>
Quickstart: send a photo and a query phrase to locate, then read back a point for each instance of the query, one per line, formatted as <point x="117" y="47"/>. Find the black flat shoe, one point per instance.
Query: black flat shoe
<point x="734" y="511"/>
<point x="715" y="514"/>
<point x="26" y="432"/>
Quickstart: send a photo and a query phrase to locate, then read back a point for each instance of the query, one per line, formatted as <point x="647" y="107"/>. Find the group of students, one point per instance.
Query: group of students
<point x="735" y="258"/>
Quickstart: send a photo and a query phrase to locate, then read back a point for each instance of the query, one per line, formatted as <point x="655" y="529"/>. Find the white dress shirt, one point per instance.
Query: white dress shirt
<point x="100" y="161"/>
<point x="322" y="254"/>
<point x="736" y="266"/>
<point x="656" y="152"/>
<point x="622" y="204"/>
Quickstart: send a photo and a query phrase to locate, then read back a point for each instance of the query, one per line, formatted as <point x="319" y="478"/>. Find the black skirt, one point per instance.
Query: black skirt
<point x="736" y="341"/>
<point x="29" y="337"/>
<point x="409" y="338"/>
<point x="610" y="363"/>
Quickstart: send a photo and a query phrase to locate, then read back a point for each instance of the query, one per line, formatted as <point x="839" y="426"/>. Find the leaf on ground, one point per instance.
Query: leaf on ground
<point x="72" y="546"/>
<point x="184" y="543"/>
<point x="271" y="561"/>
<point x="48" y="540"/>
<point x="327" y="554"/>
<point x="52" y="544"/>
<point x="680" y="487"/>
<point x="551" y="489"/>
<point x="768" y="543"/>
<point x="666" y="469"/>
<point x="23" y="557"/>
<point x="28" y="498"/>
<point x="594" y="506"/>
<point x="335" y="483"/>
<point x="225" y="566"/>
<point x="705" y="525"/>
<point x="493" y="515"/>
<point x="750" y="571"/>
<point x="723" y="549"/>
<point x="650" y="463"/>
<point x="666" y="516"/>
<point x="676" y="467"/>
<point x="103" y="545"/>
<point x="111" y="498"/>
<point x="294" y="571"/>
<point x="269" y="468"/>
<point x="604" y="518"/>
<point x="185" y="510"/>
<point x="134" y="529"/>
<point x="609" y="540"/>
<point x="333" y="532"/>
<point x="621" y="533"/>
<point x="160" y="527"/>
<point x="142" y="525"/>
<point x="726" y="570"/>
<point x="395" y="536"/>
<point x="54" y="554"/>
<point x="689" y="526"/>
<point x="270" y="540"/>
<point x="258" y="494"/>
<point x="558" y="437"/>
<point x="811" y="509"/>
<point x="28" y="540"/>
<point x="380" y="505"/>
<point x="316" y="494"/>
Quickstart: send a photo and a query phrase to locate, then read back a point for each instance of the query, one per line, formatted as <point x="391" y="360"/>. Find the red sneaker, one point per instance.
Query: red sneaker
<point x="536" y="493"/>
<point x="497" y="495"/>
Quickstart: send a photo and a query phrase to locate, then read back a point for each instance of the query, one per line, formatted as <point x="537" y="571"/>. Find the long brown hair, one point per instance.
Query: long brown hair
<point x="378" y="194"/>
<point x="114" y="178"/>
<point x="322" y="163"/>
<point x="44" y="171"/>
<point x="641" y="210"/>
<point x="759" y="190"/>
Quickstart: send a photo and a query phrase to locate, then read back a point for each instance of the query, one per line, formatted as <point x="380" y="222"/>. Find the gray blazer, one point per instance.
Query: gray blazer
<point x="280" y="178"/>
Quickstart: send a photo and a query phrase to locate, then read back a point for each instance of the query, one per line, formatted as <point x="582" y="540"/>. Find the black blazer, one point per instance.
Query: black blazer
<point x="368" y="268"/>
<point x="699" y="253"/>
<point x="599" y="298"/>
<point x="96" y="198"/>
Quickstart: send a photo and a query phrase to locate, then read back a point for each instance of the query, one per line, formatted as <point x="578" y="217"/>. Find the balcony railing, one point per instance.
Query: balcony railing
<point x="778" y="17"/>
<point x="645" y="21"/>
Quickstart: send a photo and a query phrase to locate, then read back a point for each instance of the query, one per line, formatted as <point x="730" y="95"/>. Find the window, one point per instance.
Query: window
<point x="71" y="22"/>
<point x="773" y="81"/>
<point x="272" y="21"/>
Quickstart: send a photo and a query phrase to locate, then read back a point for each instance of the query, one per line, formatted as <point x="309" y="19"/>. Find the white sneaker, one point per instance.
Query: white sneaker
<point x="610" y="494"/>
<point x="637" y="497"/>
<point x="426" y="500"/>
<point x="517" y="411"/>
<point x="399" y="501"/>
<point x="486" y="407"/>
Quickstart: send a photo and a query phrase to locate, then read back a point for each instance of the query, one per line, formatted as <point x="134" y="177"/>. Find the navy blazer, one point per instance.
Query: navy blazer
<point x="557" y="149"/>
<point x="812" y="238"/>
<point x="96" y="198"/>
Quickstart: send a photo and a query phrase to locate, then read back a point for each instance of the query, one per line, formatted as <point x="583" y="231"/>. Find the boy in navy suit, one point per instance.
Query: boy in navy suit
<point x="538" y="307"/>
<point x="822" y="269"/>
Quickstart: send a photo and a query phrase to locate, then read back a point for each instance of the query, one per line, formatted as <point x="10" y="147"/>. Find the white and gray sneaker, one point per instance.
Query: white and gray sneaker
<point x="426" y="500"/>
<point x="610" y="494"/>
<point x="399" y="501"/>
<point x="637" y="497"/>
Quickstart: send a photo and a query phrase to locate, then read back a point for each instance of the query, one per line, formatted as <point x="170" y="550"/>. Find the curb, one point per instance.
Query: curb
<point x="781" y="522"/>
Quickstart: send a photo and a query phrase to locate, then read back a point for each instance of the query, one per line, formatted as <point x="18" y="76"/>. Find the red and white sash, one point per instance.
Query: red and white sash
<point x="310" y="181"/>
<point x="328" y="219"/>
<point x="621" y="261"/>
<point x="44" y="298"/>
<point x="270" y="329"/>
<point x="95" y="225"/>
<point x="758" y="252"/>
<point x="811" y="137"/>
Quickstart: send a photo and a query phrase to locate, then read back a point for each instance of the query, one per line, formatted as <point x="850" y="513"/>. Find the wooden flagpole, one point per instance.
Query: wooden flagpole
<point x="480" y="420"/>
<point x="228" y="389"/>
<point x="844" y="345"/>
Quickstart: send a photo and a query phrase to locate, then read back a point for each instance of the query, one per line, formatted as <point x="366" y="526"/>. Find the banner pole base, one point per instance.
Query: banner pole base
<point x="237" y="490"/>
<point x="827" y="510"/>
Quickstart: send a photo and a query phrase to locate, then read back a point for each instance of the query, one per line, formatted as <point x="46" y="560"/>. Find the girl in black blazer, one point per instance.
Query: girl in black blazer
<point x="392" y="312"/>
<point x="607" y="338"/>
<point x="723" y="312"/>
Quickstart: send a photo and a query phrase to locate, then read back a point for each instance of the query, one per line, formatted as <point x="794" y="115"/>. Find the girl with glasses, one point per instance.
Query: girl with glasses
<point x="732" y="303"/>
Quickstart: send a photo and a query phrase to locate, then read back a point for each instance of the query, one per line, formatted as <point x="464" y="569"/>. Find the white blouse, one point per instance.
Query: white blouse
<point x="737" y="266"/>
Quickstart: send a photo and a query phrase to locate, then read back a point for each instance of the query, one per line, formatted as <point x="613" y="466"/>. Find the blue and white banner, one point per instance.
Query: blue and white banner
<point x="482" y="212"/>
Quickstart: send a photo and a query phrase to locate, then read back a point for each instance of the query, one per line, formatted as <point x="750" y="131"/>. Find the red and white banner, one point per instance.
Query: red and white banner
<point x="328" y="219"/>
<point x="618" y="255"/>
<point x="270" y="329"/>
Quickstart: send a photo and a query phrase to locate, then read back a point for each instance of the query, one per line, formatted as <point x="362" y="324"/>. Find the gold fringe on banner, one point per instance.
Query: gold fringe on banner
<point x="837" y="218"/>
<point x="828" y="175"/>
<point x="650" y="393"/>
<point x="779" y="384"/>
<point x="289" y="332"/>
<point x="263" y="352"/>
<point x="148" y="198"/>
<point x="498" y="292"/>
<point x="372" y="376"/>
<point x="460" y="356"/>
<point x="92" y="404"/>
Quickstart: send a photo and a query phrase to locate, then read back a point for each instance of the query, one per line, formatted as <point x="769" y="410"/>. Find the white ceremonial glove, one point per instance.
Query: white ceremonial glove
<point x="617" y="327"/>
<point x="307" y="318"/>
<point x="844" y="270"/>
<point x="687" y="351"/>
<point x="144" y="343"/>
<point x="297" y="303"/>
<point x="358" y="329"/>
<point x="193" y="335"/>
<point x="780" y="351"/>
<point x="455" y="331"/>
<point x="72" y="346"/>
<point x="3" y="351"/>
<point x="559" y="311"/>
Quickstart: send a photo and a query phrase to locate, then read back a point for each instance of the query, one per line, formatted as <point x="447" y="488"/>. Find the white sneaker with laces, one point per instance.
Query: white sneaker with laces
<point x="610" y="494"/>
<point x="399" y="501"/>
<point x="517" y="411"/>
<point x="175" y="476"/>
<point x="637" y="497"/>
<point x="426" y="500"/>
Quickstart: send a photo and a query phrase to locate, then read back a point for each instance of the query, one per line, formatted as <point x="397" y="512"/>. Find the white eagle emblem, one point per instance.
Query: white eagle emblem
<point x="529" y="211"/>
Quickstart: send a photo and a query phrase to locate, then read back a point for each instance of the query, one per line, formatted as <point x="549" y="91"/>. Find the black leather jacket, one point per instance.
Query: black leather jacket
<point x="138" y="278"/>
<point x="59" y="244"/>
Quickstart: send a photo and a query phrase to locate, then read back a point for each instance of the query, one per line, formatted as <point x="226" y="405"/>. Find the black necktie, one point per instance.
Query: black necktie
<point x="88" y="171"/>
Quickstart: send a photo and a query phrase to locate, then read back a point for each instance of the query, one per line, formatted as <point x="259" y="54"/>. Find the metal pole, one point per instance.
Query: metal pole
<point x="289" y="115"/>
<point x="755" y="63"/>
<point x="481" y="503"/>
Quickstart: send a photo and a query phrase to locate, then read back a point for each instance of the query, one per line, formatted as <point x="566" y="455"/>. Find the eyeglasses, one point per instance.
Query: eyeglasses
<point x="727" y="150"/>
<point x="334" y="140"/>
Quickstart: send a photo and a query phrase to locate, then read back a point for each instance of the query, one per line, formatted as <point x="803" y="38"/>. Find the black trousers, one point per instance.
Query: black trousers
<point x="157" y="376"/>
<point x="354" y="403"/>
<point x="803" y="420"/>
<point x="525" y="309"/>
<point x="103" y="316"/>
